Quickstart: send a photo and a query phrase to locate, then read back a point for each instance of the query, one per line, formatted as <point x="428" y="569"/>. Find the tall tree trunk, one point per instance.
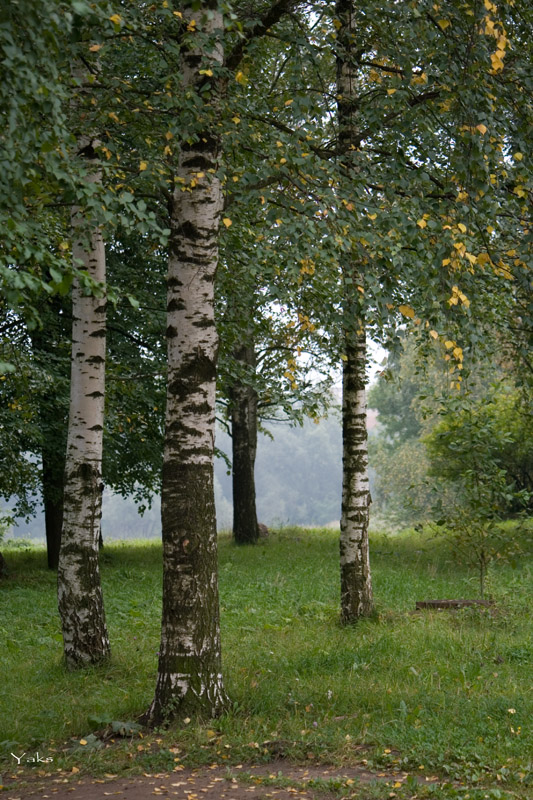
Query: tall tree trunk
<point x="79" y="589"/>
<point x="53" y="422"/>
<point x="189" y="673"/>
<point x="356" y="584"/>
<point x="243" y="398"/>
<point x="52" y="487"/>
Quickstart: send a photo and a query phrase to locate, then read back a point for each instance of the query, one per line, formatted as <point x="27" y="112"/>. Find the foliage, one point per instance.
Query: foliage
<point x="397" y="454"/>
<point x="396" y="687"/>
<point x="482" y="450"/>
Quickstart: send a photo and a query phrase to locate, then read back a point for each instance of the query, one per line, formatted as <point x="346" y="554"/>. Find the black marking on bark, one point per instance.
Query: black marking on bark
<point x="200" y="369"/>
<point x="204" y="323"/>
<point x="207" y="142"/>
<point x="176" y="304"/>
<point x="188" y="231"/>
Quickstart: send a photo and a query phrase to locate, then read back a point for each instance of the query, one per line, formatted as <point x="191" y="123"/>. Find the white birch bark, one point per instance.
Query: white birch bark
<point x="356" y="584"/>
<point x="79" y="589"/>
<point x="80" y="598"/>
<point x="189" y="673"/>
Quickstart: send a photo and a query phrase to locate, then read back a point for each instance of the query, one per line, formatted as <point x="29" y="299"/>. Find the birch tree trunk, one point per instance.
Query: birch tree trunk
<point x="356" y="583"/>
<point x="79" y="589"/>
<point x="244" y="448"/>
<point x="189" y="673"/>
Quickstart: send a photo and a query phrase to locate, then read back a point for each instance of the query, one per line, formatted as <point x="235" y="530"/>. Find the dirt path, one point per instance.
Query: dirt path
<point x="274" y="781"/>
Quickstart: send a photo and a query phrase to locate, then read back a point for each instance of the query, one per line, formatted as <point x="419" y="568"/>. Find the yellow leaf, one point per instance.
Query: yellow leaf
<point x="337" y="23"/>
<point x="497" y="63"/>
<point x="449" y="344"/>
<point x="113" y="116"/>
<point x="142" y="166"/>
<point x="462" y="227"/>
<point x="518" y="156"/>
<point x="283" y="161"/>
<point x="178" y="14"/>
<point x="370" y="216"/>
<point x="444" y="23"/>
<point x="241" y="78"/>
<point x="169" y="135"/>
<point x="236" y="120"/>
<point x="391" y="91"/>
<point x="94" y="48"/>
<point x="208" y="72"/>
<point x="519" y="191"/>
<point x="116" y="19"/>
<point x="481" y="128"/>
<point x="434" y="334"/>
<point x="288" y="102"/>
<point x="227" y="222"/>
<point x="421" y="223"/>
<point x="279" y="221"/>
<point x="83" y="741"/>
<point x="407" y="311"/>
<point x="445" y="262"/>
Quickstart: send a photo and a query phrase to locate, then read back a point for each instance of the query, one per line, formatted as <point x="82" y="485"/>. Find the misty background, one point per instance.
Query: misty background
<point x="298" y="482"/>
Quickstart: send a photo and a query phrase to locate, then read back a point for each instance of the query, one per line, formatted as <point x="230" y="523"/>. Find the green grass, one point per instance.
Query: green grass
<point x="446" y="692"/>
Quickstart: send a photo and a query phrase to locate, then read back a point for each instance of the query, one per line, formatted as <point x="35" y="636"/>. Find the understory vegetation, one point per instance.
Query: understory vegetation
<point x="445" y="693"/>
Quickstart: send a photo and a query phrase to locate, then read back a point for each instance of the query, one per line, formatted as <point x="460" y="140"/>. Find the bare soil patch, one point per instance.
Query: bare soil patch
<point x="243" y="782"/>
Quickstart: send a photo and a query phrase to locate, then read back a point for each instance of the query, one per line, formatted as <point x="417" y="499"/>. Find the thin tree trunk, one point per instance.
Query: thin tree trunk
<point x="52" y="486"/>
<point x="53" y="422"/>
<point x="79" y="589"/>
<point x="189" y="673"/>
<point x="356" y="584"/>
<point x="243" y="399"/>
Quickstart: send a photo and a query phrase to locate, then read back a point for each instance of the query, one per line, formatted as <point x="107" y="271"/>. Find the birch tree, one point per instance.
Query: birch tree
<point x="189" y="673"/>
<point x="80" y="598"/>
<point x="356" y="584"/>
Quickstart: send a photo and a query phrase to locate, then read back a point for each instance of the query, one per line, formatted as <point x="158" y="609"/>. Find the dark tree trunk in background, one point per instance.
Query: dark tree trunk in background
<point x="50" y="354"/>
<point x="243" y="399"/>
<point x="53" y="476"/>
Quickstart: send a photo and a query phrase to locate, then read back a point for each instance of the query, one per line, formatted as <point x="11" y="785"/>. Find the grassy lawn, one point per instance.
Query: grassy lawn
<point x="447" y="693"/>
